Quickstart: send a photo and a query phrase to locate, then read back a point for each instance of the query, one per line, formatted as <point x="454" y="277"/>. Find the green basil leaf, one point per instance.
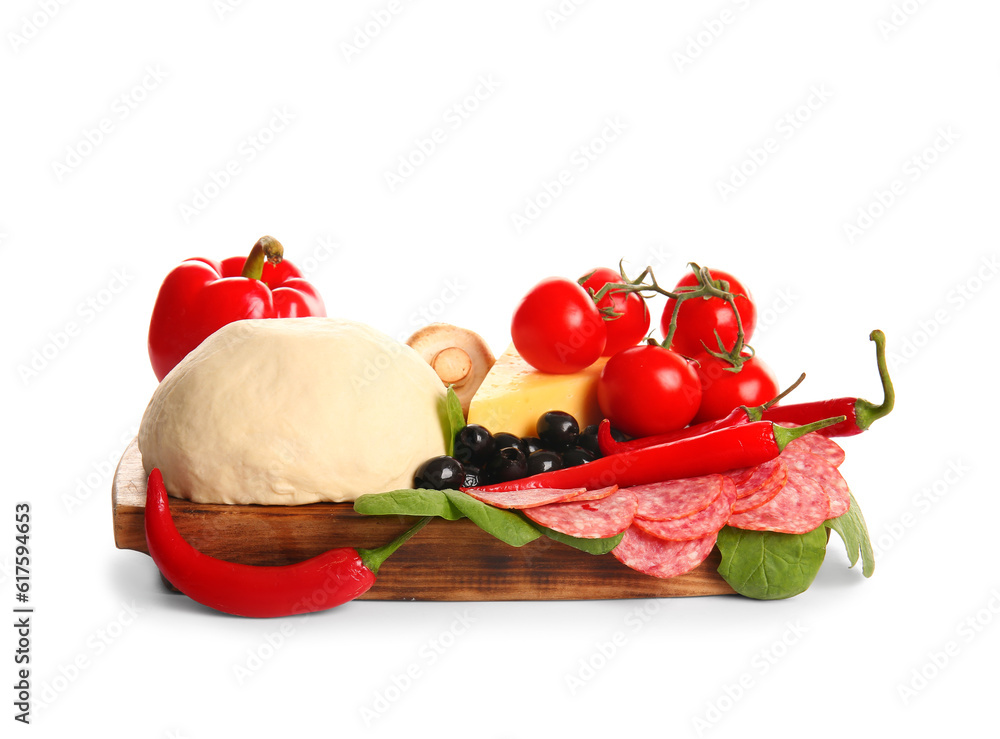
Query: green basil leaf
<point x="854" y="532"/>
<point x="452" y="419"/>
<point x="768" y="565"/>
<point x="506" y="526"/>
<point x="417" y="502"/>
<point x="591" y="546"/>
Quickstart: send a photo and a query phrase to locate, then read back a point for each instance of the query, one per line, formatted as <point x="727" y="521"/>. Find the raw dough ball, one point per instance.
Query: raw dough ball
<point x="291" y="411"/>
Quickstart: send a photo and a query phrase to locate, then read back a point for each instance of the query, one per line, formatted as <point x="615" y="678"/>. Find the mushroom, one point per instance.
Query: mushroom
<point x="460" y="357"/>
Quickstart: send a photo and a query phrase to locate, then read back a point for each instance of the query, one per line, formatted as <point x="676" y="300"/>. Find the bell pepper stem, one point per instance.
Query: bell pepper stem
<point x="784" y="436"/>
<point x="373" y="558"/>
<point x="866" y="412"/>
<point x="267" y="249"/>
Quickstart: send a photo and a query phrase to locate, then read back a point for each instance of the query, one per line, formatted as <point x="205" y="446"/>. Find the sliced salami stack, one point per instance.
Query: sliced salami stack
<point x="669" y="528"/>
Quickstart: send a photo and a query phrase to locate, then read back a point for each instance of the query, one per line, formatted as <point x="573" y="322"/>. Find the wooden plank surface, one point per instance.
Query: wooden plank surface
<point x="445" y="561"/>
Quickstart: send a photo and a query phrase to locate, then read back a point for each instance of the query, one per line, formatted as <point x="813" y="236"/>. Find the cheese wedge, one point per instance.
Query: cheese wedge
<point x="514" y="395"/>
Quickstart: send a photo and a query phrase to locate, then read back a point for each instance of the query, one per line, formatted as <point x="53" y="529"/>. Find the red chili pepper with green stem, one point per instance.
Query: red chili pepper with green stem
<point x="609" y="445"/>
<point x="316" y="584"/>
<point x="735" y="447"/>
<point x="859" y="413"/>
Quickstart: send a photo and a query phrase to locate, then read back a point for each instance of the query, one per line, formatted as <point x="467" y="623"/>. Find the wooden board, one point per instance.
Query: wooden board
<point x="445" y="561"/>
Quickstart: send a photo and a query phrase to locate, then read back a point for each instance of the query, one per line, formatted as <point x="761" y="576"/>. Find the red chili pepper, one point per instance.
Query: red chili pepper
<point x="200" y="296"/>
<point x="717" y="451"/>
<point x="859" y="413"/>
<point x="316" y="584"/>
<point x="609" y="445"/>
<point x="738" y="416"/>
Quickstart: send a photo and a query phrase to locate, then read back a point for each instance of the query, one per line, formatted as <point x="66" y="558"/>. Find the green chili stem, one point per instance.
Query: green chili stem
<point x="373" y="558"/>
<point x="866" y="412"/>
<point x="785" y="436"/>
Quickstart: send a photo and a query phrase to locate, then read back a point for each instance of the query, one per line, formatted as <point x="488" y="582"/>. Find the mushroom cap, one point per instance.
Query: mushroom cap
<point x="460" y="357"/>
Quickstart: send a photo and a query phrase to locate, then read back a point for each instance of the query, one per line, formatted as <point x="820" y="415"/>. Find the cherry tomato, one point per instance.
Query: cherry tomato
<point x="648" y="390"/>
<point x="723" y="390"/>
<point x="631" y="326"/>
<point x="699" y="318"/>
<point x="557" y="328"/>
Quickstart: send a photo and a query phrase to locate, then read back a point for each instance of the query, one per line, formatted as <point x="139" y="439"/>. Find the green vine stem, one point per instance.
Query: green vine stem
<point x="707" y="287"/>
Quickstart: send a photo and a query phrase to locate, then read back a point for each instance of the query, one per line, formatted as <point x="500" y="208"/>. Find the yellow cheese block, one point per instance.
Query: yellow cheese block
<point x="514" y="395"/>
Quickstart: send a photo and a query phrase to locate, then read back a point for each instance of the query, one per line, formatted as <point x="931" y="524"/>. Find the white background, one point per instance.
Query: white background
<point x="87" y="233"/>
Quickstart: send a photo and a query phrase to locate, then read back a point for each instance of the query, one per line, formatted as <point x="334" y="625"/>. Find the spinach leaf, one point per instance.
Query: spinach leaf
<point x="408" y="503"/>
<point x="591" y="546"/>
<point x="506" y="526"/>
<point x="854" y="531"/>
<point x="452" y="419"/>
<point x="768" y="565"/>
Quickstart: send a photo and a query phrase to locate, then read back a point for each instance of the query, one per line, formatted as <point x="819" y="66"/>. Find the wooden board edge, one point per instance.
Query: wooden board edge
<point x="542" y="570"/>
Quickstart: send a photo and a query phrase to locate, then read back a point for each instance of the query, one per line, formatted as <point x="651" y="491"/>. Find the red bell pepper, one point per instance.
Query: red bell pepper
<point x="200" y="296"/>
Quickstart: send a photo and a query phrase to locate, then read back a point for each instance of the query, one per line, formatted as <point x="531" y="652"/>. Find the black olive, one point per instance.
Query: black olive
<point x="440" y="473"/>
<point x="532" y="444"/>
<point x="558" y="430"/>
<point x="503" y="440"/>
<point x="544" y="460"/>
<point x="507" y="464"/>
<point x="588" y="440"/>
<point x="576" y="455"/>
<point x="473" y="444"/>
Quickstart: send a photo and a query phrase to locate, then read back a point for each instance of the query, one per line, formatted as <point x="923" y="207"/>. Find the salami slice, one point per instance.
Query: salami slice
<point x="524" y="498"/>
<point x="661" y="558"/>
<point x="665" y="501"/>
<point x="751" y="479"/>
<point x="800" y="507"/>
<point x="697" y="525"/>
<point x="588" y="519"/>
<point x="595" y="494"/>
<point x="821" y="446"/>
<point x="767" y="482"/>
<point x="826" y="474"/>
